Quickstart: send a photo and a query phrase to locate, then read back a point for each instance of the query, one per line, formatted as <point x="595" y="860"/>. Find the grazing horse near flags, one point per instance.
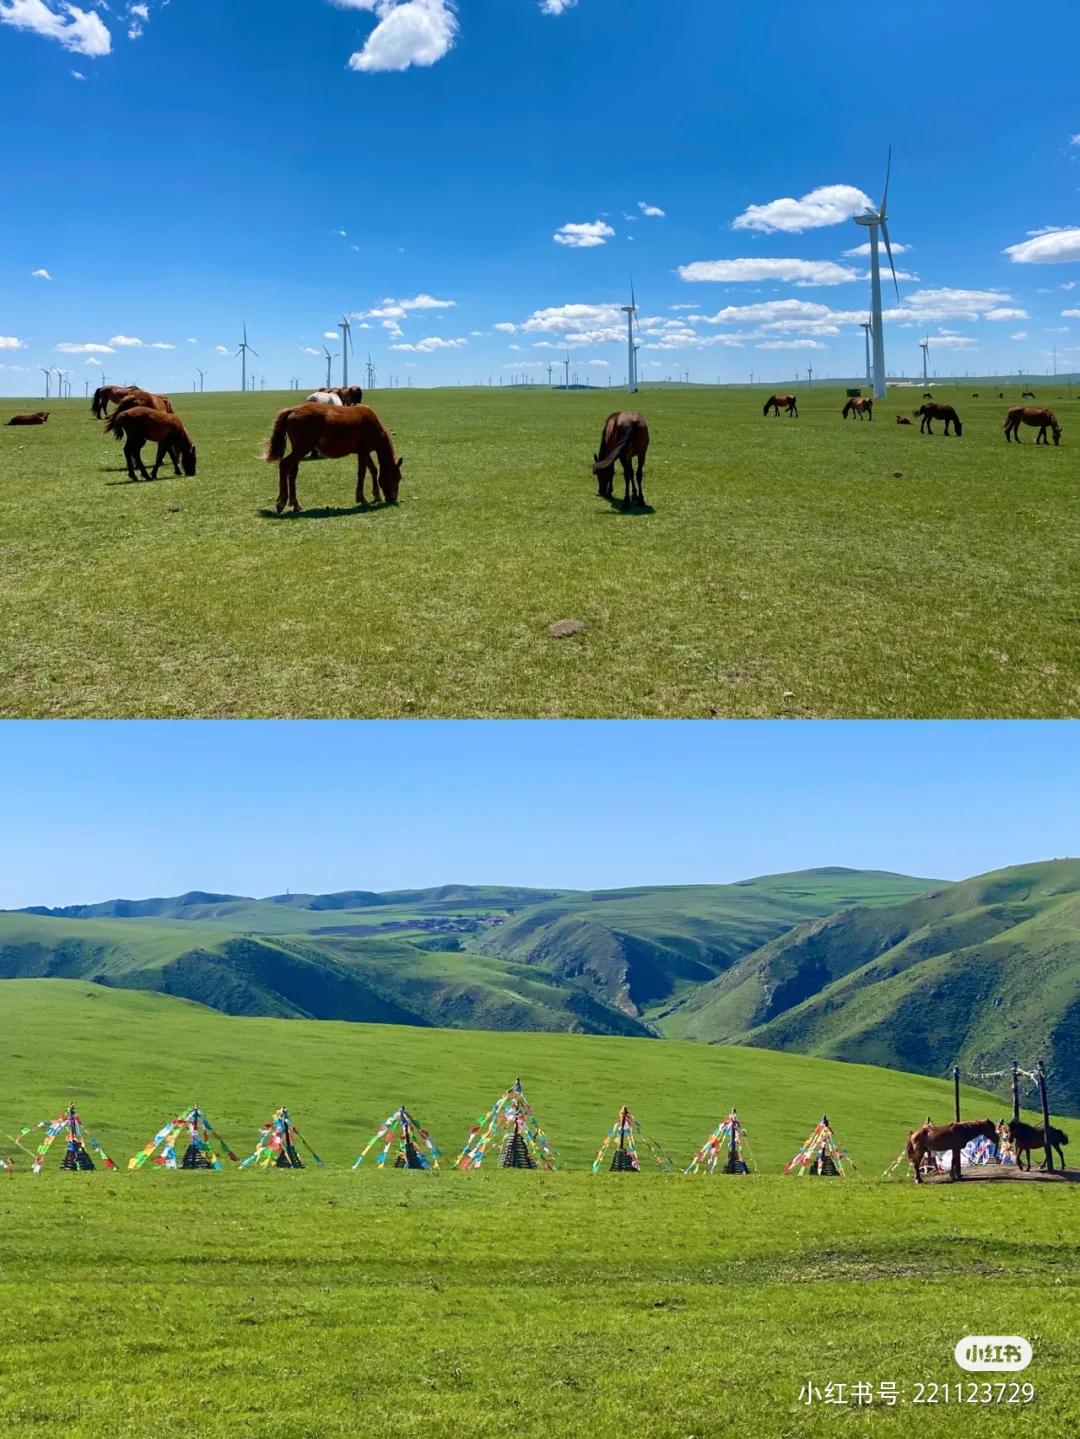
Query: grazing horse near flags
<point x="937" y="411"/>
<point x="106" y="395"/>
<point x="1042" y="420"/>
<point x="37" y="418"/>
<point x="933" y="1138"/>
<point x="775" y="402"/>
<point x="861" y="406"/>
<point x="334" y="432"/>
<point x="141" y="423"/>
<point x="624" y="439"/>
<point x="1026" y="1137"/>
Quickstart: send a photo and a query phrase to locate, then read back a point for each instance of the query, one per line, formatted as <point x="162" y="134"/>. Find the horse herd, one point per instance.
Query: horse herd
<point x="862" y="407"/>
<point x="923" y="1144"/>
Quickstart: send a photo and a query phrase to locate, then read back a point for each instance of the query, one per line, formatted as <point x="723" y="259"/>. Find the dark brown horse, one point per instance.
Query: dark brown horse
<point x="936" y="411"/>
<point x="934" y="1138"/>
<point x="861" y="406"/>
<point x="136" y="426"/>
<point x="348" y="394"/>
<point x="778" y="402"/>
<point x="144" y="400"/>
<point x="334" y="432"/>
<point x="624" y="439"/>
<point x="106" y="395"/>
<point x="1042" y="420"/>
<point x="37" y="418"/>
<point x="1026" y="1137"/>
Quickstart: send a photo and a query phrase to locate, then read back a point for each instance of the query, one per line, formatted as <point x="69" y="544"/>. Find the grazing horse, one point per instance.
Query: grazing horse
<point x="142" y="423"/>
<point x="624" y="439"/>
<point x="1026" y="1137"/>
<point x="144" y="400"/>
<point x="1042" y="420"/>
<point x="334" y="431"/>
<point x="938" y="411"/>
<point x="863" y="407"/>
<point x="324" y="397"/>
<point x="106" y="395"/>
<point x="926" y="394"/>
<point x="37" y="418"/>
<point x="1027" y="394"/>
<point x="788" y="402"/>
<point x="933" y="1138"/>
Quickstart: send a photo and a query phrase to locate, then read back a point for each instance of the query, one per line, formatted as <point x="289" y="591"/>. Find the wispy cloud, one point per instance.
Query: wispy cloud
<point x="80" y="31"/>
<point x="67" y="347"/>
<point x="798" y="272"/>
<point x="430" y="343"/>
<point x="1054" y="245"/>
<point x="653" y="212"/>
<point x="40" y="275"/>
<point x="10" y="342"/>
<point x="556" y="7"/>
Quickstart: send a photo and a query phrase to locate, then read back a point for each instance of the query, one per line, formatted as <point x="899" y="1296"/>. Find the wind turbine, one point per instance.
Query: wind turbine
<point x="48" y="379"/>
<point x="243" y="353"/>
<point x="370" y="373"/>
<point x="201" y="374"/>
<point x="345" y="326"/>
<point x="868" y="330"/>
<point x="875" y="221"/>
<point x="810" y="375"/>
<point x="924" y="346"/>
<point x="329" y="361"/>
<point x="630" y="311"/>
<point x="566" y="362"/>
<point x="550" y="369"/>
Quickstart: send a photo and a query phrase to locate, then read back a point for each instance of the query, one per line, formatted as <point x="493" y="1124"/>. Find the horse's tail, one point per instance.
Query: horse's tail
<point x="114" y="424"/>
<point x="613" y="456"/>
<point x="911" y="1149"/>
<point x="275" y="445"/>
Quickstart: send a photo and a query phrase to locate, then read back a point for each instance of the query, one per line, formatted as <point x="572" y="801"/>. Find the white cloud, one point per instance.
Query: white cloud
<point x="77" y="75"/>
<point x="390" y="309"/>
<point x="67" y="348"/>
<point x="432" y="342"/>
<point x="1020" y="335"/>
<point x="1052" y="246"/>
<point x="80" y="31"/>
<point x="329" y="334"/>
<point x="798" y="272"/>
<point x="125" y="342"/>
<point x="191" y="340"/>
<point x="1071" y="314"/>
<point x="40" y="275"/>
<point x="161" y="345"/>
<point x="1005" y="313"/>
<point x="1067" y="285"/>
<point x="858" y="252"/>
<point x="505" y="327"/>
<point x="409" y="32"/>
<point x="947" y="340"/>
<point x="93" y="360"/>
<point x="827" y="205"/>
<point x="653" y="212"/>
<point x="9" y="342"/>
<point x="583" y="236"/>
<point x="790" y="345"/>
<point x="933" y="306"/>
<point x="1074" y="140"/>
<point x="222" y="350"/>
<point x="556" y="7"/>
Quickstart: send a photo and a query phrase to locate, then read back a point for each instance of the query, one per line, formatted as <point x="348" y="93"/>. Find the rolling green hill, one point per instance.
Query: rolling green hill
<point x="976" y="973"/>
<point x="479" y="957"/>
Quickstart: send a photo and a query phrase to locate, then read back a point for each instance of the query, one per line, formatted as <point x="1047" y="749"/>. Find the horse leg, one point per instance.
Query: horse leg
<point x="361" y="472"/>
<point x="162" y="449"/>
<point x="293" y="463"/>
<point x="628" y="478"/>
<point x="640" y="477"/>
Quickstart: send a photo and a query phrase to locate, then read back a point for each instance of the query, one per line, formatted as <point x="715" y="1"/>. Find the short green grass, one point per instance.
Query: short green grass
<point x="503" y="1304"/>
<point x="807" y="568"/>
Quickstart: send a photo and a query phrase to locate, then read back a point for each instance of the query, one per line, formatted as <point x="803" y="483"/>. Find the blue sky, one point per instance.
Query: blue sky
<point x="176" y="169"/>
<point x="99" y="810"/>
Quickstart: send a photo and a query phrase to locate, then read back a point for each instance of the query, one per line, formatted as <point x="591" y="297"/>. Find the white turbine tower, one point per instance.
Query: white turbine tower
<point x="329" y="362"/>
<point x="868" y="329"/>
<point x="566" y="362"/>
<point x="345" y="326"/>
<point x="924" y="346"/>
<point x="630" y="311"/>
<point x="243" y="353"/>
<point x="875" y="221"/>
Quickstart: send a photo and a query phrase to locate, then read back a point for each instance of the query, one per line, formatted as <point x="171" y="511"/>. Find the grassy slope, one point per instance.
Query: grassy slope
<point x="809" y="567"/>
<point x="978" y="973"/>
<point x="338" y="1303"/>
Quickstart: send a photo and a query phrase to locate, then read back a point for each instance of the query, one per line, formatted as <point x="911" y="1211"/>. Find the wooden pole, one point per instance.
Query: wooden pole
<point x="956" y="1092"/>
<point x="1040" y="1070"/>
<point x="1016" y="1090"/>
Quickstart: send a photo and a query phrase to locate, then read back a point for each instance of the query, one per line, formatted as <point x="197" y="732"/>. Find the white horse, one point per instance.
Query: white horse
<point x="324" y="397"/>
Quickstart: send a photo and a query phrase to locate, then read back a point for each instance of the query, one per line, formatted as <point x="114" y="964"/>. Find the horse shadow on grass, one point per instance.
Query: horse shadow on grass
<point x="325" y="512"/>
<point x="620" y="507"/>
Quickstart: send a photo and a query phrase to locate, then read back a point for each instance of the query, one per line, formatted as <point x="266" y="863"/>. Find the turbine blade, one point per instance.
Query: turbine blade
<point x="888" y="251"/>
<point x="254" y="352"/>
<point x="883" y="208"/>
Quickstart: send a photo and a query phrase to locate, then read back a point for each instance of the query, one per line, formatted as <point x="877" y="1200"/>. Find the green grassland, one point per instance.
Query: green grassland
<point x="807" y="568"/>
<point x="379" y="1303"/>
<point x="484" y="957"/>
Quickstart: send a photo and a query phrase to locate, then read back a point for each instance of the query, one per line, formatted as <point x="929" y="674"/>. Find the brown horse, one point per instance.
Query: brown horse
<point x="335" y="432"/>
<point x="776" y="402"/>
<point x="624" y="439"/>
<point x="106" y="395"/>
<point x="863" y="407"/>
<point x="933" y="1138"/>
<point x="937" y="411"/>
<point x="136" y="426"/>
<point x="1026" y="1137"/>
<point x="1042" y="420"/>
<point x="37" y="418"/>
<point x="902" y="420"/>
<point x="348" y="394"/>
<point x="144" y="400"/>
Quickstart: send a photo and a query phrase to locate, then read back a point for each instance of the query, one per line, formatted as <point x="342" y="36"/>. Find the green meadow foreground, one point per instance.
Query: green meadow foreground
<point x="810" y="567"/>
<point x="330" y="1302"/>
